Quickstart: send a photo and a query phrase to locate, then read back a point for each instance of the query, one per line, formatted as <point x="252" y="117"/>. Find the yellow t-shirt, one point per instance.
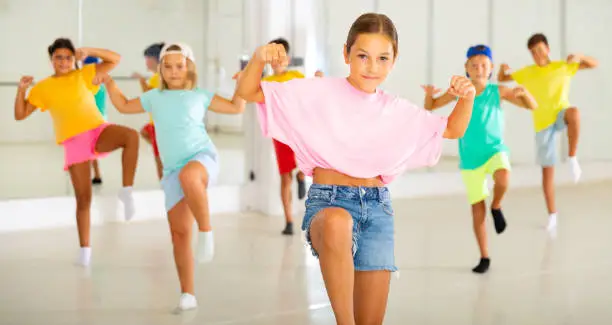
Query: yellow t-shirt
<point x="70" y="101"/>
<point x="288" y="75"/>
<point x="549" y="85"/>
<point x="153" y="83"/>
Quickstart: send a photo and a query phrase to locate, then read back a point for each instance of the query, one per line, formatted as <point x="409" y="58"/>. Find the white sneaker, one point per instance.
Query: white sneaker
<point x="186" y="302"/>
<point x="552" y="222"/>
<point x="205" y="250"/>
<point x="84" y="258"/>
<point x="575" y="168"/>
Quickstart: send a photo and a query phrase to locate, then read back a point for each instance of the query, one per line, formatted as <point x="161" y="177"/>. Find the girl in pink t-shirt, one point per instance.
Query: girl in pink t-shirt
<point x="353" y="139"/>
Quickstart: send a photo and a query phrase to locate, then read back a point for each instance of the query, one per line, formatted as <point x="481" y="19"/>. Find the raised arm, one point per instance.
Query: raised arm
<point x="432" y="103"/>
<point x="23" y="108"/>
<point x="460" y="117"/>
<point x="504" y="73"/>
<point x="586" y="62"/>
<point x="121" y="103"/>
<point x="249" y="85"/>
<point x="109" y="58"/>
<point x="518" y="96"/>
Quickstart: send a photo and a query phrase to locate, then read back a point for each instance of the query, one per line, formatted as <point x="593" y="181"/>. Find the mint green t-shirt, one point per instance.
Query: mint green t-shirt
<point x="484" y="135"/>
<point x="179" y="124"/>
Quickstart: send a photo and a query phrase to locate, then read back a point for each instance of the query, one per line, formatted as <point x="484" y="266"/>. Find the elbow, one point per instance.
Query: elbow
<point x="454" y="132"/>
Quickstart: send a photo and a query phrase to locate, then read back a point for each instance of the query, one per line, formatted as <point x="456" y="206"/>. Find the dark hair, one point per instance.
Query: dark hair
<point x="535" y="39"/>
<point x="154" y="50"/>
<point x="282" y="42"/>
<point x="372" y="23"/>
<point x="61" y="43"/>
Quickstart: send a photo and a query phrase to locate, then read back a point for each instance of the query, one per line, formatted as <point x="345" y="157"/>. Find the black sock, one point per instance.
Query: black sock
<point x="288" y="229"/>
<point x="483" y="266"/>
<point x="498" y="220"/>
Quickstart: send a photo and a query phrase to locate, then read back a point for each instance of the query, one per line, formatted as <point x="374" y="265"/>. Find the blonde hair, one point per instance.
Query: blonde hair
<point x="192" y="74"/>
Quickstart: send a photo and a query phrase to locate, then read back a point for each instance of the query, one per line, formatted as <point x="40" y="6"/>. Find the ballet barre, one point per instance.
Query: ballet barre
<point x="16" y="83"/>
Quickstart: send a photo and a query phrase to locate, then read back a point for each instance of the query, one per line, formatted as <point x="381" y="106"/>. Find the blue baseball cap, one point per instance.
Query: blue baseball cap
<point x="91" y="59"/>
<point x="480" y="49"/>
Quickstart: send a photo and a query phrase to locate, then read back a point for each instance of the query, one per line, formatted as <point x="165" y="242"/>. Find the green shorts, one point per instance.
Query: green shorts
<point x="476" y="179"/>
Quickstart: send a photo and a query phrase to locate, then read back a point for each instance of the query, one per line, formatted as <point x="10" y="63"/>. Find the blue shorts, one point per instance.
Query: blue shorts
<point x="546" y="147"/>
<point x="171" y="185"/>
<point x="373" y="230"/>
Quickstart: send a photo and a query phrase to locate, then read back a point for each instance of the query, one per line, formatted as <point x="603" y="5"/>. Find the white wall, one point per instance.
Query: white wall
<point x="434" y="35"/>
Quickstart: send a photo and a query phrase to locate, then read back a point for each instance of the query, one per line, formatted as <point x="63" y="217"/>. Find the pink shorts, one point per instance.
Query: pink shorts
<point x="82" y="147"/>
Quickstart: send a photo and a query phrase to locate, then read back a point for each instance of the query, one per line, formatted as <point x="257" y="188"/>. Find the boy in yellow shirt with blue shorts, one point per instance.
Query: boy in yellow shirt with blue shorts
<point x="549" y="83"/>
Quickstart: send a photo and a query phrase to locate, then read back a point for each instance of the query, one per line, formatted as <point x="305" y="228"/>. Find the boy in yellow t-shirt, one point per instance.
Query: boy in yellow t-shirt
<point x="147" y="132"/>
<point x="549" y="82"/>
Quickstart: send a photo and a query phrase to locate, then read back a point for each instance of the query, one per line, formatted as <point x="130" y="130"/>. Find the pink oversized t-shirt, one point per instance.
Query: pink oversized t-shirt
<point x="330" y="124"/>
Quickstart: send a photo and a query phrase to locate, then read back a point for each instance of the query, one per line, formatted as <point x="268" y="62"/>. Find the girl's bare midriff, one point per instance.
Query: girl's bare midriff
<point x="332" y="177"/>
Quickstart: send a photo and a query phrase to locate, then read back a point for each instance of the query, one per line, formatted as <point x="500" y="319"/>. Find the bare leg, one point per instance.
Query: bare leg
<point x="194" y="180"/>
<point x="501" y="179"/>
<point x="114" y="137"/>
<point x="479" y="212"/>
<point x="370" y="296"/>
<point x="287" y="198"/>
<point x="81" y="182"/>
<point x="548" y="185"/>
<point x="96" y="169"/>
<point x="572" y="119"/>
<point x="331" y="233"/>
<point x="180" y="220"/>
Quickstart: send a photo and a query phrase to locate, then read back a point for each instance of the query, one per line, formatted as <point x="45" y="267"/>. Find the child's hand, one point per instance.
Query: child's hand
<point x="430" y="90"/>
<point x="462" y="87"/>
<point x="574" y="58"/>
<point x="273" y="54"/>
<point x="101" y="78"/>
<point x="504" y="69"/>
<point x="25" y="82"/>
<point x="81" y="53"/>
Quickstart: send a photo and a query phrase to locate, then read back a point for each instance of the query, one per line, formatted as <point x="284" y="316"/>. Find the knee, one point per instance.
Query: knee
<point x="180" y="235"/>
<point x="502" y="178"/>
<point x="190" y="175"/>
<point x="572" y="115"/>
<point x="131" y="137"/>
<point x="83" y="200"/>
<point x="286" y="179"/>
<point x="333" y="230"/>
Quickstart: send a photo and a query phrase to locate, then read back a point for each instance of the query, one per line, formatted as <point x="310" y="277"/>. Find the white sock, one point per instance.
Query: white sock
<point x="127" y="198"/>
<point x="186" y="302"/>
<point x="206" y="247"/>
<point x="84" y="256"/>
<point x="575" y="168"/>
<point x="552" y="221"/>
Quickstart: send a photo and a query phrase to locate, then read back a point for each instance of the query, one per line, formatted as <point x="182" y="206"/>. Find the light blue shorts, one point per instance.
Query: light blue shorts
<point x="546" y="148"/>
<point x="373" y="229"/>
<point x="171" y="184"/>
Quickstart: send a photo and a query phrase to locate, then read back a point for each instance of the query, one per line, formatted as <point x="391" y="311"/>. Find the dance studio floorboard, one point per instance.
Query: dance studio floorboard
<point x="261" y="278"/>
